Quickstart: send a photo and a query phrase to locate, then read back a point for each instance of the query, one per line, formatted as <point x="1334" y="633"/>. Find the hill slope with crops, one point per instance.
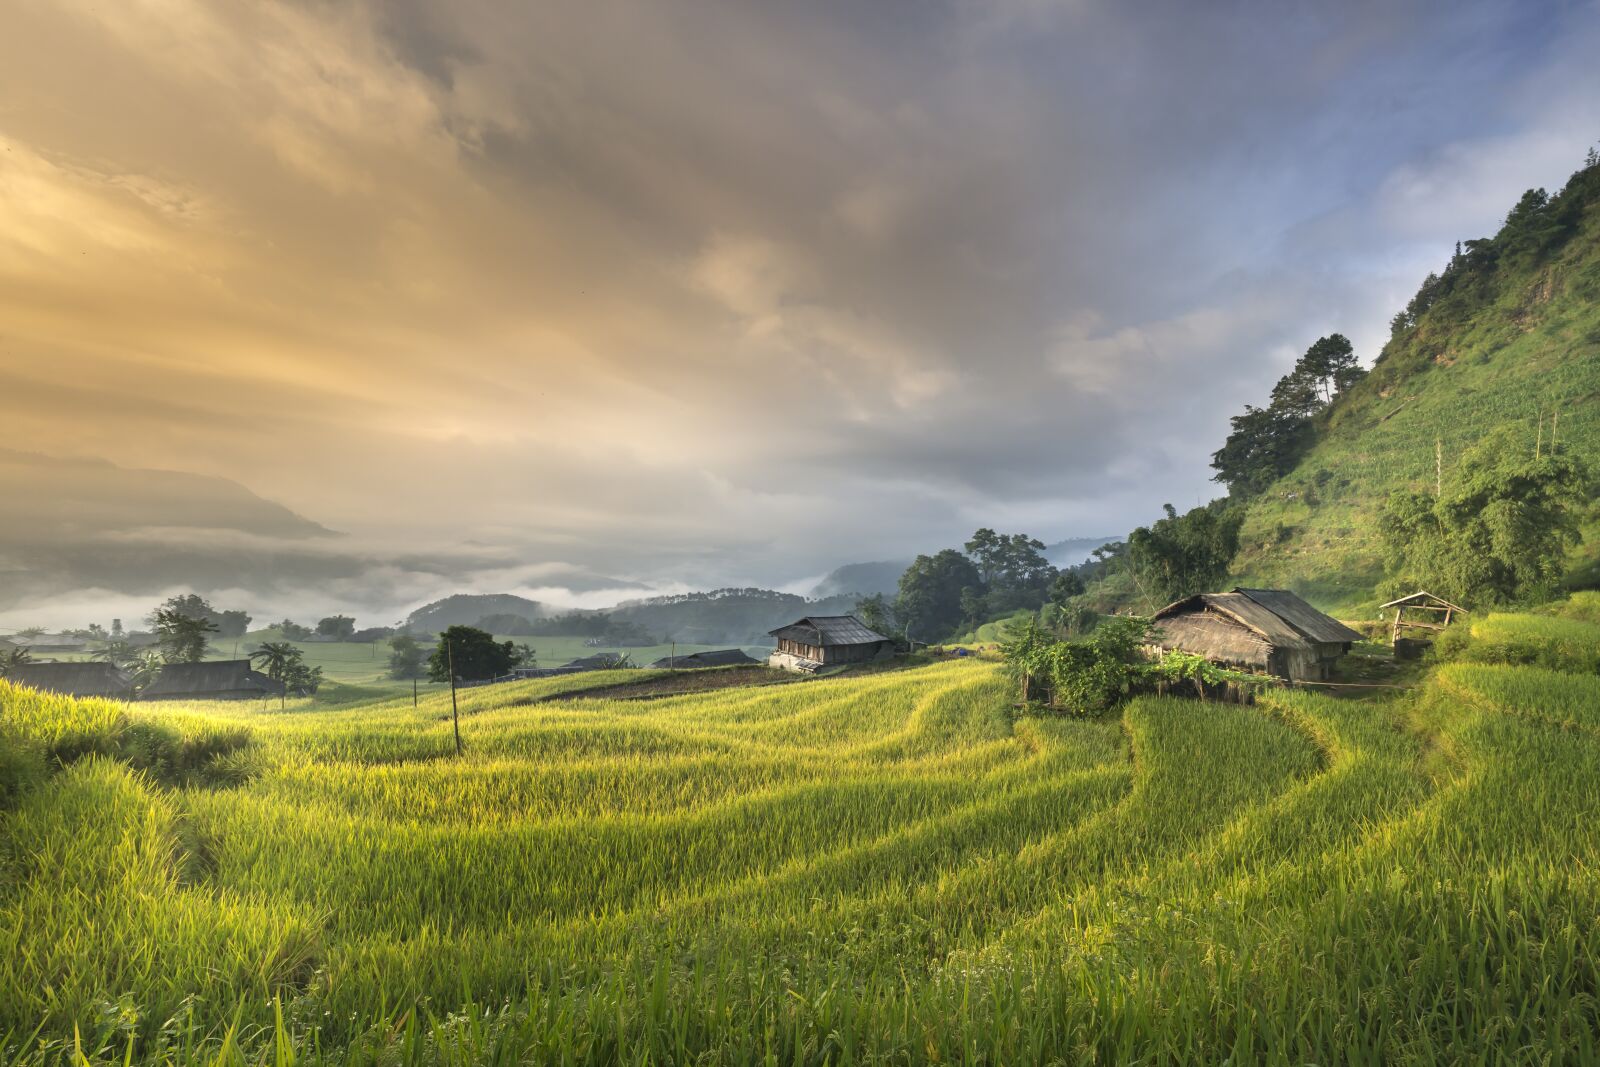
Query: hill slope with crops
<point x="1507" y="337"/>
<point x="897" y="867"/>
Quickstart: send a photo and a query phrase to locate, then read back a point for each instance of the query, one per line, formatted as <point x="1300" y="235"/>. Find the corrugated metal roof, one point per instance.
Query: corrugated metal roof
<point x="220" y="676"/>
<point x="823" y="631"/>
<point x="1302" y="616"/>
<point x="72" y="679"/>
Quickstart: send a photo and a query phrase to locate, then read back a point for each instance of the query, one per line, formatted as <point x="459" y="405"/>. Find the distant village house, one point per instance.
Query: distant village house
<point x="1268" y="631"/>
<point x="817" y="641"/>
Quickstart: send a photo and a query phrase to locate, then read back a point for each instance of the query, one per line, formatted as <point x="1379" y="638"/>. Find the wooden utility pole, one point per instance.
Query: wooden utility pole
<point x="413" y="692"/>
<point x="455" y="714"/>
<point x="1538" y="443"/>
<point x="1438" y="467"/>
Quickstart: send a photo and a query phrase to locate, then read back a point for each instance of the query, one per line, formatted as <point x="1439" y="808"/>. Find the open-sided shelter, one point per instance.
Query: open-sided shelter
<point x="1428" y="612"/>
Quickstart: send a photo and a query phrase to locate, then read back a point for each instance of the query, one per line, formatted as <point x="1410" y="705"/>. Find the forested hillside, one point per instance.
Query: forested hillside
<point x="1504" y="344"/>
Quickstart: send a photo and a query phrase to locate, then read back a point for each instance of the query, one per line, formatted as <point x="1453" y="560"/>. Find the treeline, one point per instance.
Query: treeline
<point x="958" y="589"/>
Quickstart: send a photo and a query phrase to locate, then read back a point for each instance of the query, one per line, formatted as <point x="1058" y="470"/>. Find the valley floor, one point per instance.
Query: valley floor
<point x="891" y="868"/>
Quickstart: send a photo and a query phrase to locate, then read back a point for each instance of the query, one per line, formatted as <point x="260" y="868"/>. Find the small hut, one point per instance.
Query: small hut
<point x="1270" y="631"/>
<point x="74" y="679"/>
<point x="722" y="657"/>
<point x="229" y="679"/>
<point x="819" y="641"/>
<point x="1428" y="612"/>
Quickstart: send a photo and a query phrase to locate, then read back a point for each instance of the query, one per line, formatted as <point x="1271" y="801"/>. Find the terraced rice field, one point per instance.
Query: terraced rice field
<point x="889" y="869"/>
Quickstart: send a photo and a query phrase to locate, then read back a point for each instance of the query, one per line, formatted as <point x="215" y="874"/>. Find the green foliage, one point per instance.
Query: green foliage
<point x="224" y="623"/>
<point x="183" y="637"/>
<point x="1266" y="443"/>
<point x="286" y="664"/>
<point x="12" y="658"/>
<point x="1500" y="532"/>
<point x="1181" y="555"/>
<point x="930" y="604"/>
<point x="337" y="626"/>
<point x="1013" y="572"/>
<point x="406" y="658"/>
<point x="475" y="655"/>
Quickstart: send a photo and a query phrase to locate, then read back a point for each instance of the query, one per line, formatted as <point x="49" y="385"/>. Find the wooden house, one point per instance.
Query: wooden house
<point x="819" y="641"/>
<point x="1428" y="612"/>
<point x="230" y="679"/>
<point x="1269" y="631"/>
<point x="74" y="679"/>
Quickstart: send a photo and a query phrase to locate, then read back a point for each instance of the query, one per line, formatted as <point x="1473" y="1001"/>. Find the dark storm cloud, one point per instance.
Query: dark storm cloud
<point x="733" y="291"/>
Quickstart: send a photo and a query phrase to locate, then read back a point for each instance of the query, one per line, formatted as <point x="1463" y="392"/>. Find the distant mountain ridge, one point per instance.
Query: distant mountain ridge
<point x="465" y="609"/>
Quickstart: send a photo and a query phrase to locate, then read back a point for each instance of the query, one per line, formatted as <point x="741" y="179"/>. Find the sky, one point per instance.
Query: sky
<point x="578" y="299"/>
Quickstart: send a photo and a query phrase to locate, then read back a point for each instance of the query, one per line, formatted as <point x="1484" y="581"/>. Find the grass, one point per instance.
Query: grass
<point x="890" y="868"/>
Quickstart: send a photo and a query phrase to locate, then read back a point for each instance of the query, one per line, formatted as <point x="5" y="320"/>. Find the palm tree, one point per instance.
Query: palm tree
<point x="277" y="659"/>
<point x="11" y="660"/>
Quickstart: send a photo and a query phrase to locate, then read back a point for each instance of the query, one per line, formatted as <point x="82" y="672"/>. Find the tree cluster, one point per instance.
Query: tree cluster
<point x="941" y="593"/>
<point x="284" y="663"/>
<point x="1498" y="532"/>
<point x="1266" y="443"/>
<point x="473" y="654"/>
<point x="193" y="606"/>
<point x="1092" y="675"/>
<point x="1181" y="555"/>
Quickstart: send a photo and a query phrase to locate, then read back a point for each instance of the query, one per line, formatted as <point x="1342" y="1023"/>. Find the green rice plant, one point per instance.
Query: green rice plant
<point x="884" y="869"/>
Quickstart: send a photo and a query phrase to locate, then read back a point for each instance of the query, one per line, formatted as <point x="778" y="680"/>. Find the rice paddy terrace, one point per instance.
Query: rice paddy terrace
<point x="894" y="868"/>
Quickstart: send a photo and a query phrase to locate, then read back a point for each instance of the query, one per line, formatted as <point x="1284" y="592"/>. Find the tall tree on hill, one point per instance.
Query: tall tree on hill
<point x="1266" y="443"/>
<point x="475" y="654"/>
<point x="183" y="638"/>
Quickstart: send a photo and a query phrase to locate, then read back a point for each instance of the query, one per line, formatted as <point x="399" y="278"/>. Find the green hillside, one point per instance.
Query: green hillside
<point x="1508" y="335"/>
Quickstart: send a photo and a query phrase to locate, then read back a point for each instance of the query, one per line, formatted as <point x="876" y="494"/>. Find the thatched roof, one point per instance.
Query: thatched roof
<point x="1218" y="637"/>
<point x="824" y="631"/>
<point x="1302" y="616"/>
<point x="234" y="676"/>
<point x="73" y="679"/>
<point x="723" y="657"/>
<point x="1243" y="626"/>
<point x="1422" y="598"/>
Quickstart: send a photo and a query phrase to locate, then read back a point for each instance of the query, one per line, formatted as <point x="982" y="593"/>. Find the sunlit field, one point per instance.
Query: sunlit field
<point x="896" y="868"/>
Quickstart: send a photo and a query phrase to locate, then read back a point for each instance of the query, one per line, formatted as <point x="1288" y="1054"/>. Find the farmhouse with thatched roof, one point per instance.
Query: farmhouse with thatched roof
<point x="73" y="679"/>
<point x="229" y="679"/>
<point x="1271" y="631"/>
<point x="818" y="641"/>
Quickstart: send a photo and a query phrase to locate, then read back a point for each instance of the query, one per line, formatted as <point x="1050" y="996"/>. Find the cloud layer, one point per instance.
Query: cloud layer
<point x="724" y="292"/>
